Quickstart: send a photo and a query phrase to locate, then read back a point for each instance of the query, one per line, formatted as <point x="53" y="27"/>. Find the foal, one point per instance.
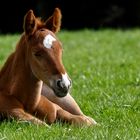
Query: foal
<point x="37" y="60"/>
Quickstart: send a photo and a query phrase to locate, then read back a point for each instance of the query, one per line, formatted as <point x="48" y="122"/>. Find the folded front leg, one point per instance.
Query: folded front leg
<point x="78" y="120"/>
<point x="51" y="112"/>
<point x="67" y="103"/>
<point x="46" y="110"/>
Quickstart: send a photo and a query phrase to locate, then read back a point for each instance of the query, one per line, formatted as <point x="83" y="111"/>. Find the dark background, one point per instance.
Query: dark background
<point x="77" y="14"/>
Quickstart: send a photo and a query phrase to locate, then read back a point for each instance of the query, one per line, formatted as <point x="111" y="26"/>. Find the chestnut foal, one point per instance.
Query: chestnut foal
<point x="34" y="85"/>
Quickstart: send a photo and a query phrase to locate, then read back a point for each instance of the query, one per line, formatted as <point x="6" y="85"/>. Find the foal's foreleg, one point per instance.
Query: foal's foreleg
<point x="52" y="112"/>
<point x="78" y="120"/>
<point x="67" y="103"/>
<point x="46" y="110"/>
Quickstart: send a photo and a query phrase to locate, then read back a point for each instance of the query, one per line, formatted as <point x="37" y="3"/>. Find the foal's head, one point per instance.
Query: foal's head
<point x="45" y="51"/>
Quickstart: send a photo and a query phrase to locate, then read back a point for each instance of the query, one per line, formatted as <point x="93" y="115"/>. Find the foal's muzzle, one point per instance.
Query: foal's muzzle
<point x="62" y="86"/>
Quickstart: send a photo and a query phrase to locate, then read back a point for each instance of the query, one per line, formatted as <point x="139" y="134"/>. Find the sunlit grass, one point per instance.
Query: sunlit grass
<point x="104" y="66"/>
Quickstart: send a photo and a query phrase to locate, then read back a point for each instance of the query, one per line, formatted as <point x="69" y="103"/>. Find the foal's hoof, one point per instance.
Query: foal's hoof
<point x="36" y="122"/>
<point x="90" y="120"/>
<point x="43" y="124"/>
<point x="83" y="121"/>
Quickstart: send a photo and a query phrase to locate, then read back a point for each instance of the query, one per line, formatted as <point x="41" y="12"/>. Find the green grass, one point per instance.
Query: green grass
<point x="105" y="68"/>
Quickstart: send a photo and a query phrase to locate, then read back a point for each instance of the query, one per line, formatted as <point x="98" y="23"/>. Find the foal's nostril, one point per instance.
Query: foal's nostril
<point x="59" y="83"/>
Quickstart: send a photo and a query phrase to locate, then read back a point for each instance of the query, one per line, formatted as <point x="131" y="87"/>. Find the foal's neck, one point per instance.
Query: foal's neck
<point x="16" y="77"/>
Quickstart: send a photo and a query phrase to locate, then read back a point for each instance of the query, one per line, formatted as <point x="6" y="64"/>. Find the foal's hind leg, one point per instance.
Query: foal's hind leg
<point x="11" y="108"/>
<point x="20" y="115"/>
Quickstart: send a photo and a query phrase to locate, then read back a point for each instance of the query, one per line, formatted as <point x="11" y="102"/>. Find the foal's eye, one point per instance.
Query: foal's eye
<point x="37" y="54"/>
<point x="42" y="29"/>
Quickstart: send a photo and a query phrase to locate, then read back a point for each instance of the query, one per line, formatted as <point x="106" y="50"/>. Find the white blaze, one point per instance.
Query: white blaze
<point x="48" y="40"/>
<point x="65" y="80"/>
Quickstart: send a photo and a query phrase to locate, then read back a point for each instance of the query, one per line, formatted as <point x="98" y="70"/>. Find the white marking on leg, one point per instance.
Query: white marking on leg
<point x="48" y="40"/>
<point x="65" y="80"/>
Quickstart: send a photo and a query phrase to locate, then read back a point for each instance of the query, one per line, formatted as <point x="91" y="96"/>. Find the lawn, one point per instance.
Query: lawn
<point x="104" y="66"/>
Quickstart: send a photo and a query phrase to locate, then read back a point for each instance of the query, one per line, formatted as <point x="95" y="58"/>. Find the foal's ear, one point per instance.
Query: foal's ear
<point x="30" y="24"/>
<point x="53" y="23"/>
